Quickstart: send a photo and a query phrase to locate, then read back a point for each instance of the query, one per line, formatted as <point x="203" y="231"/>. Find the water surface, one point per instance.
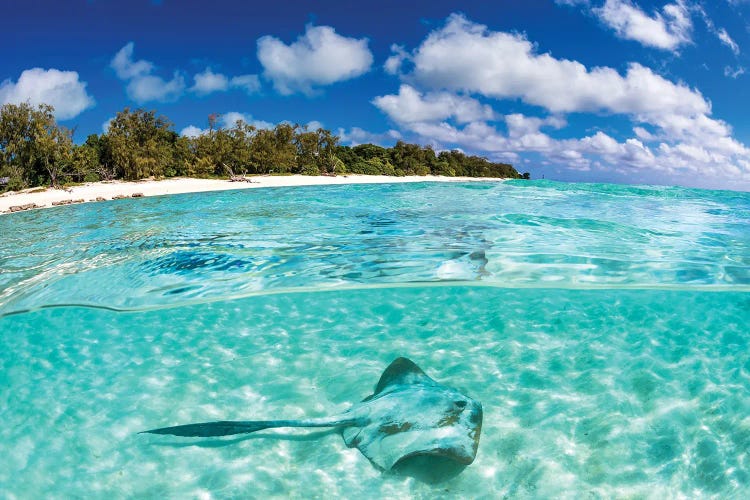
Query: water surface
<point x="602" y="327"/>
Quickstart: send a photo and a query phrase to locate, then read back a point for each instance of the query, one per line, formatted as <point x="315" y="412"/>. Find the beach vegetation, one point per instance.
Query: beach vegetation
<point x="34" y="149"/>
<point x="138" y="144"/>
<point x="141" y="144"/>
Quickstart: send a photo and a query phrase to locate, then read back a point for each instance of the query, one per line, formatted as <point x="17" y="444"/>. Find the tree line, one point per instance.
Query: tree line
<point x="36" y="151"/>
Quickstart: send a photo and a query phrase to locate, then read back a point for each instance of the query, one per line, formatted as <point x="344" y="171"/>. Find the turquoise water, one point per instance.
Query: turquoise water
<point x="604" y="329"/>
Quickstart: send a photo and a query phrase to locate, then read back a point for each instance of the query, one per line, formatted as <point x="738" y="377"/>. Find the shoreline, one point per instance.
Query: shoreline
<point x="33" y="198"/>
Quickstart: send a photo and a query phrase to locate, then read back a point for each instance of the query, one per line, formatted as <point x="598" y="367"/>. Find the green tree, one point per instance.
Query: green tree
<point x="85" y="163"/>
<point x="183" y="157"/>
<point x="284" y="150"/>
<point x="104" y="167"/>
<point x="54" y="152"/>
<point x="316" y="152"/>
<point x="221" y="151"/>
<point x="141" y="144"/>
<point x="34" y="149"/>
<point x="262" y="151"/>
<point x="412" y="159"/>
<point x="346" y="154"/>
<point x="308" y="151"/>
<point x="328" y="162"/>
<point x="369" y="151"/>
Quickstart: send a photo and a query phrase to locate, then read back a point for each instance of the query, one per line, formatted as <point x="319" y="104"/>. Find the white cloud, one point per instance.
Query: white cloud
<point x="357" y="135"/>
<point x="192" y="131"/>
<point x="61" y="89"/>
<point x="248" y="83"/>
<point x="467" y="57"/>
<point x="314" y="125"/>
<point x="707" y="154"/>
<point x="728" y="41"/>
<point x="106" y="124"/>
<point x="720" y="33"/>
<point x="208" y="82"/>
<point x="227" y="120"/>
<point x="393" y="64"/>
<point x="520" y="125"/>
<point x="668" y="161"/>
<point x="319" y="57"/>
<point x="154" y="88"/>
<point x="644" y="134"/>
<point x="410" y="106"/>
<point x="674" y="132"/>
<point x="125" y="67"/>
<point x="734" y="72"/>
<point x="663" y="30"/>
<point x="143" y="86"/>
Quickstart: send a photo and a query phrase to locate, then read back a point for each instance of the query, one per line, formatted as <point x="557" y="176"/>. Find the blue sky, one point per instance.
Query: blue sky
<point x="581" y="90"/>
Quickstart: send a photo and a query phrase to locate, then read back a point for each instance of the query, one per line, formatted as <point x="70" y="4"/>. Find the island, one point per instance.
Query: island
<point x="138" y="144"/>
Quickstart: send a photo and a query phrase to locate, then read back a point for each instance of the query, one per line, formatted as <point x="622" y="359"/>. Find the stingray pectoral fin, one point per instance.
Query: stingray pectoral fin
<point x="211" y="429"/>
<point x="401" y="371"/>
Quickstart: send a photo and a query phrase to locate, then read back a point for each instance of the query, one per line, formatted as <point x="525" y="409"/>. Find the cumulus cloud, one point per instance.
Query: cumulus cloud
<point x="465" y="56"/>
<point x="313" y="125"/>
<point x="154" y="88"/>
<point x="357" y="135"/>
<point x="209" y="82"/>
<point x="409" y="105"/>
<point x="124" y="65"/>
<point x="674" y="132"/>
<point x="524" y="126"/>
<point x="106" y="125"/>
<point x="393" y="64"/>
<point x="248" y="83"/>
<point x="666" y="159"/>
<point x="665" y="30"/>
<point x="319" y="57"/>
<point x="227" y="120"/>
<point x="192" y="131"/>
<point x="61" y="89"/>
<point x="703" y="153"/>
<point x="143" y="85"/>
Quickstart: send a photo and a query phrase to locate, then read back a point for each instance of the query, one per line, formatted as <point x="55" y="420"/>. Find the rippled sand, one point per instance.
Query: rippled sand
<point x="604" y="392"/>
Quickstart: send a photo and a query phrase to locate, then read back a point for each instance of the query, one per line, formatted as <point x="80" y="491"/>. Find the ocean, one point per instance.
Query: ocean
<point x="604" y="329"/>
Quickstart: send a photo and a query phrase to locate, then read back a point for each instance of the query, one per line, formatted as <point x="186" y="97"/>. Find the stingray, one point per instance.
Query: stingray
<point x="408" y="415"/>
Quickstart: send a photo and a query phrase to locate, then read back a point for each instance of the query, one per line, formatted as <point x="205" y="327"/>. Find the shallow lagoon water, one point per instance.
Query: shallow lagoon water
<point x="604" y="329"/>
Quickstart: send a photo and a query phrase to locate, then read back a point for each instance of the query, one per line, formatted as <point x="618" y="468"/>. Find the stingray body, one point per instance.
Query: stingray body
<point x="408" y="415"/>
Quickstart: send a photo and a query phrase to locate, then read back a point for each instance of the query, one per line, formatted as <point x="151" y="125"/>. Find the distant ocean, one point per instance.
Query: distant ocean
<point x="604" y="328"/>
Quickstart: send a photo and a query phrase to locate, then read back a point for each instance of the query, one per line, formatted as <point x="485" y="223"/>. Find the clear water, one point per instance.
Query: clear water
<point x="604" y="329"/>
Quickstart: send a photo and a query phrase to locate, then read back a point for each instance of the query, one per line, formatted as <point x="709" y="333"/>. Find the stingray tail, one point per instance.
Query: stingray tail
<point x="210" y="429"/>
<point x="228" y="428"/>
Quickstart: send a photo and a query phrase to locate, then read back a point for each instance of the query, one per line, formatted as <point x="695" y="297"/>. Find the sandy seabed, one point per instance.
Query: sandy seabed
<point x="101" y="191"/>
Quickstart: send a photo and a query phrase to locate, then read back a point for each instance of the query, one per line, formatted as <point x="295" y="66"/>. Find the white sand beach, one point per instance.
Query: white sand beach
<point x="102" y="191"/>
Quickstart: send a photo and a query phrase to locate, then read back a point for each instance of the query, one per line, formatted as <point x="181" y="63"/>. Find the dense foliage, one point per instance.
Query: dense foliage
<point x="36" y="151"/>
